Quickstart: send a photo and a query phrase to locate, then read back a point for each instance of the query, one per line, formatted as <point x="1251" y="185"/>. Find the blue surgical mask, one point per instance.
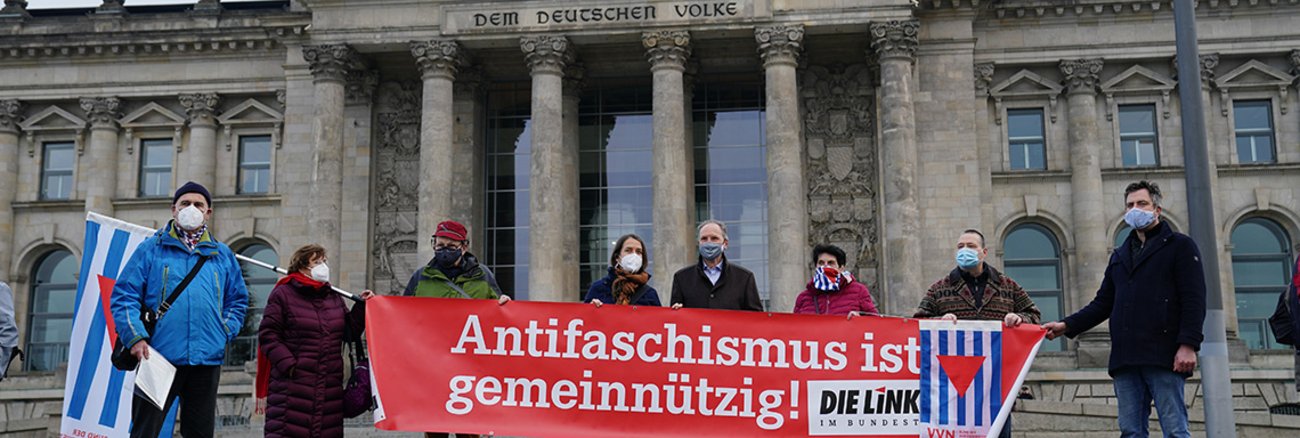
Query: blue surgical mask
<point x="1139" y="219"/>
<point x="968" y="258"/>
<point x="710" y="251"/>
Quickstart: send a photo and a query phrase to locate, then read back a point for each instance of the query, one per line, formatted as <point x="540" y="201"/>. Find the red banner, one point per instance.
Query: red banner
<point x="566" y="369"/>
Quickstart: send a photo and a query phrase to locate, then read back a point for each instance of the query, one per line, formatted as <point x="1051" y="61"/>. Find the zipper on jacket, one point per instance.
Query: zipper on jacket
<point x="163" y="297"/>
<point x="221" y="304"/>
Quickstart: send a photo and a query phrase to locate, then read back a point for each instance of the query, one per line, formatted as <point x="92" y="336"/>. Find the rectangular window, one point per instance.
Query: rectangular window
<point x="254" y="164"/>
<point x="1137" y="135"/>
<point x="1254" y="123"/>
<point x="1026" y="139"/>
<point x="57" y="163"/>
<point x="155" y="168"/>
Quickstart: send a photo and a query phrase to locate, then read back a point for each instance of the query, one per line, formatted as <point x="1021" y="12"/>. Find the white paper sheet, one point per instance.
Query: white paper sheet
<point x="153" y="379"/>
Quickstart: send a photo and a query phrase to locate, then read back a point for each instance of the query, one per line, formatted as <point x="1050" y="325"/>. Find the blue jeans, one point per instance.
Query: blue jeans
<point x="1137" y="387"/>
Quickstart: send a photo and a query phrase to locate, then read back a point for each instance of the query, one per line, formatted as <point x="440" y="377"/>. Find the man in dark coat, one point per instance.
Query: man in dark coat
<point x="713" y="282"/>
<point x="1154" y="295"/>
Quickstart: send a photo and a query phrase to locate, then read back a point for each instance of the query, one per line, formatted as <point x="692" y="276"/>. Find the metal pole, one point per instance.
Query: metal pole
<point x="282" y="271"/>
<point x="1215" y="379"/>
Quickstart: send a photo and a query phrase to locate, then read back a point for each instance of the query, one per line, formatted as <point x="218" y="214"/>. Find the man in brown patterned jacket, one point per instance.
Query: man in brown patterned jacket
<point x="976" y="291"/>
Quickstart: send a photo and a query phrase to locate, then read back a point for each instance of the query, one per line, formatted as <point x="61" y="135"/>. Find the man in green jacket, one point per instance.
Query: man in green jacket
<point x="454" y="272"/>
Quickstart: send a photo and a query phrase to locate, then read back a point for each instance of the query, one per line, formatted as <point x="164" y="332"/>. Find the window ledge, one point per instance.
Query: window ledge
<point x="1258" y="168"/>
<point x="51" y="206"/>
<point x="1031" y="174"/>
<point x="1150" y="170"/>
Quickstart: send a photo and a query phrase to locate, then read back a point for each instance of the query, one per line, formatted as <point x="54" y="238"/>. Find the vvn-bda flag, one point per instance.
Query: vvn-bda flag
<point x="97" y="397"/>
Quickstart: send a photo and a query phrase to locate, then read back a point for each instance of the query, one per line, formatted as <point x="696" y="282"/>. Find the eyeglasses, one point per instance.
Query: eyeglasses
<point x="436" y="246"/>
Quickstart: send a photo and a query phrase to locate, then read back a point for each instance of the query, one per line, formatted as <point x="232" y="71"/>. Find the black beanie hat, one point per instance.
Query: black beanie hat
<point x="193" y="187"/>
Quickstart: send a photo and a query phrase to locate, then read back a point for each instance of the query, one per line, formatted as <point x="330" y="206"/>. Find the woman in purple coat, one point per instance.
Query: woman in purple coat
<point x="832" y="291"/>
<point x="301" y="337"/>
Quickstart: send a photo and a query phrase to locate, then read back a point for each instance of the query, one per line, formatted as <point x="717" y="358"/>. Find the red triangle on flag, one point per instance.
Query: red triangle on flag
<point x="105" y="295"/>
<point x="961" y="370"/>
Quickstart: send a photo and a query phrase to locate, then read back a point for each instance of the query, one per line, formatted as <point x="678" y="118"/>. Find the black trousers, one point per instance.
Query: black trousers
<point x="197" y="387"/>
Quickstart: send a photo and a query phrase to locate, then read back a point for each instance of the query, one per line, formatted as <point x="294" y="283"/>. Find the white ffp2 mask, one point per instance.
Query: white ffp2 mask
<point x="189" y="218"/>
<point x="321" y="273"/>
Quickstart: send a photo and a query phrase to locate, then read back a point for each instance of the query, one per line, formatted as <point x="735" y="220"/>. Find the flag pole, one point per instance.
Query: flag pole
<point x="282" y="271"/>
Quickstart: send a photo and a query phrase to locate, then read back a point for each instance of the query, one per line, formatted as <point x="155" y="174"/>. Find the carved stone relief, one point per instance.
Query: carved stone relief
<point x="397" y="169"/>
<point x="839" y="130"/>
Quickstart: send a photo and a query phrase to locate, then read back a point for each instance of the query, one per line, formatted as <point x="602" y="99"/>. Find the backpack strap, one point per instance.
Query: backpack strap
<point x="457" y="288"/>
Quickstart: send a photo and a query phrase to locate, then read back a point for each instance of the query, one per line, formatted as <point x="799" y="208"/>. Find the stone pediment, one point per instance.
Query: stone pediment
<point x="1025" y="84"/>
<point x="53" y="118"/>
<point x="250" y="111"/>
<point x="1254" y="75"/>
<point x="152" y="115"/>
<point x="1137" y="80"/>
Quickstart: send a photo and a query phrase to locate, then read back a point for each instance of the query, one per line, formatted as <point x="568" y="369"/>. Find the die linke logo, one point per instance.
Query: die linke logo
<point x="863" y="407"/>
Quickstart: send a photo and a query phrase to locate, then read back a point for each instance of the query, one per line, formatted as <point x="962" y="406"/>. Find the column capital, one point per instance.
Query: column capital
<point x="10" y="115"/>
<point x="360" y="85"/>
<point x="1081" y="75"/>
<point x="329" y="62"/>
<point x="438" y="58"/>
<point x="667" y="48"/>
<point x="547" y="53"/>
<point x="1295" y="61"/>
<point x="1208" y="63"/>
<point x="201" y="107"/>
<point x="779" y="44"/>
<point x="895" y="39"/>
<point x="983" y="78"/>
<point x="102" y="112"/>
<point x="111" y="7"/>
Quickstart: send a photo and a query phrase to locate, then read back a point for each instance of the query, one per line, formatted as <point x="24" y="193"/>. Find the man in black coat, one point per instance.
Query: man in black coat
<point x="714" y="282"/>
<point x="1154" y="295"/>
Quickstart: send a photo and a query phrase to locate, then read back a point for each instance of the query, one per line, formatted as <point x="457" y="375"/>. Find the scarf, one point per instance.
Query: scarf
<point x="625" y="285"/>
<point x="191" y="238"/>
<point x="262" y="387"/>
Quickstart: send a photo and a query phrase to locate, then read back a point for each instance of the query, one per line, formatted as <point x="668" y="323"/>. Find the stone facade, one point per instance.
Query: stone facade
<point x="886" y="132"/>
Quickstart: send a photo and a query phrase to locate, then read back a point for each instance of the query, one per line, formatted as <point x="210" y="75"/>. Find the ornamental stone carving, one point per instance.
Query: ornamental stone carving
<point x="780" y="44"/>
<point x="102" y="112"/>
<point x="983" y="78"/>
<point x="1208" y="64"/>
<point x="360" y="86"/>
<point x="667" y="48"/>
<point x="1295" y="62"/>
<point x="395" y="212"/>
<point x="546" y="53"/>
<point x="329" y="62"/>
<point x="15" y="8"/>
<point x="895" y="39"/>
<point x="10" y="115"/>
<point x="201" y="107"/>
<point x="438" y="58"/>
<point x="1081" y="75"/>
<point x="842" y="168"/>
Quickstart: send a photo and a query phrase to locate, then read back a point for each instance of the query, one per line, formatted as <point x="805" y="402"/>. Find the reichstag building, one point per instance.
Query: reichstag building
<point x="552" y="127"/>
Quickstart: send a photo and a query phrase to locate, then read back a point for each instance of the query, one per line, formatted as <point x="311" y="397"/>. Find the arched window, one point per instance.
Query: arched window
<point x="1032" y="257"/>
<point x="53" y="300"/>
<point x="259" y="281"/>
<point x="1261" y="268"/>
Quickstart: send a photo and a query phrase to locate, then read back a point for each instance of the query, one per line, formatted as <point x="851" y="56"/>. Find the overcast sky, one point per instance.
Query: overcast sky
<point x="56" y="4"/>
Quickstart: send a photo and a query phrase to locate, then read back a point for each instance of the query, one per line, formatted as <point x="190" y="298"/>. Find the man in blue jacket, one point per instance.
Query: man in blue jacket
<point x="193" y="332"/>
<point x="1154" y="295"/>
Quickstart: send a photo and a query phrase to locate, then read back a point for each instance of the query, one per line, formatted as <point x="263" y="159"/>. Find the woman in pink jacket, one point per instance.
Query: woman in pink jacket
<point x="833" y="291"/>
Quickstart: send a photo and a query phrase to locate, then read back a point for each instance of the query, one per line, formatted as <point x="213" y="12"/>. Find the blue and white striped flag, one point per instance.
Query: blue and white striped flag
<point x="961" y="378"/>
<point x="97" y="397"/>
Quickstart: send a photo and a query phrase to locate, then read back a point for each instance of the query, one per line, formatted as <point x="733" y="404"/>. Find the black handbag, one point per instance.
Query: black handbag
<point x="122" y="358"/>
<point x="1281" y="323"/>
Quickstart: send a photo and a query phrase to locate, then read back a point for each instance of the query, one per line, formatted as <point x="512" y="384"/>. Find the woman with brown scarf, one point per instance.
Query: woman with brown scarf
<point x="627" y="281"/>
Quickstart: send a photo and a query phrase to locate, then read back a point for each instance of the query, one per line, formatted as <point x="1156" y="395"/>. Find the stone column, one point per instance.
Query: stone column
<point x="438" y="61"/>
<point x="571" y="94"/>
<point x="470" y="152"/>
<point x="674" y="233"/>
<point x="553" y="180"/>
<point x="895" y="45"/>
<point x="100" y="165"/>
<point x="10" y="115"/>
<point x="787" y="200"/>
<point x="201" y="156"/>
<point x="329" y="64"/>
<point x="1090" y="224"/>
